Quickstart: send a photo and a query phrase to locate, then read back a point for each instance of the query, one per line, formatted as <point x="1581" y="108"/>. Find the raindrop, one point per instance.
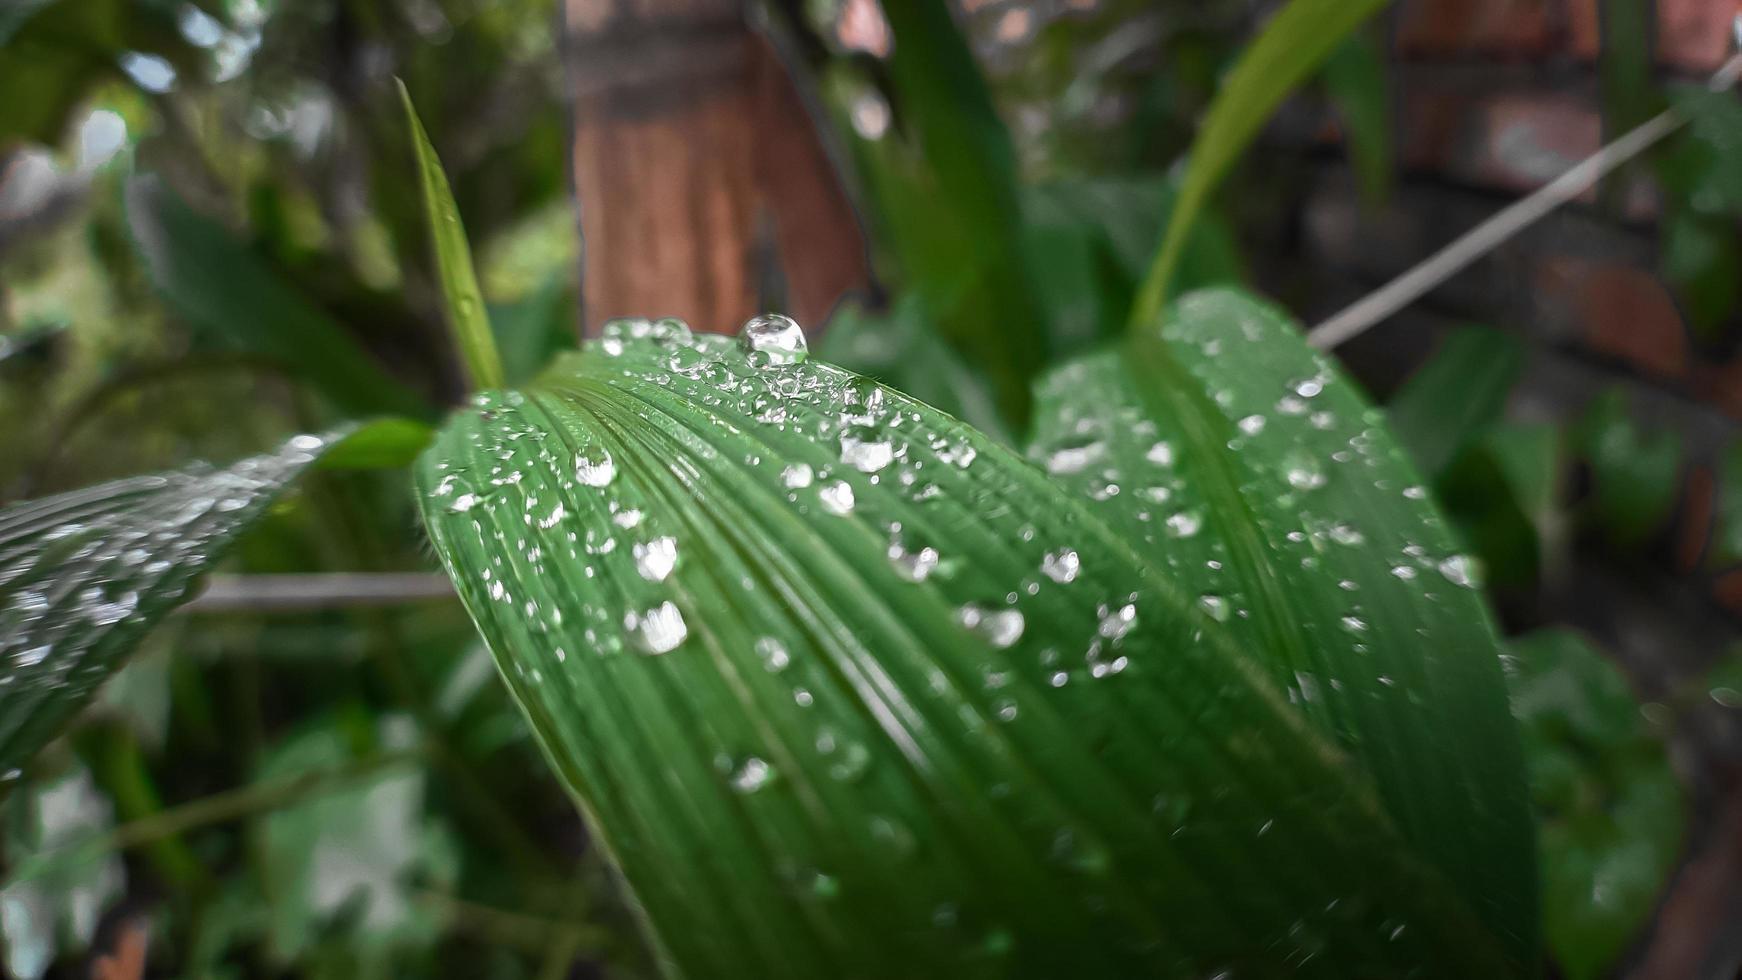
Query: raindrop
<point x="1304" y="472"/>
<point x="1161" y="454"/>
<point x="1001" y="627"/>
<point x="796" y="475"/>
<point x="913" y="565"/>
<point x="1252" y="424"/>
<point x="752" y="775"/>
<point x="595" y="468"/>
<point x="658" y="630"/>
<point x="837" y="497"/>
<point x="773" y="654"/>
<point x="1343" y="534"/>
<point x="1115" y="623"/>
<point x="1215" y="607"/>
<point x="1185" y="523"/>
<point x="1459" y="570"/>
<point x="865" y="449"/>
<point x="463" y="503"/>
<point x="655" y="559"/>
<point x="1061" y="566"/>
<point x="779" y="339"/>
<point x="1074" y="459"/>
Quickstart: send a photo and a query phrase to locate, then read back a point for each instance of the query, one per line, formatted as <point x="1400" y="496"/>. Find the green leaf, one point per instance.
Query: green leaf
<point x="1261" y="482"/>
<point x="945" y="183"/>
<point x="1295" y="41"/>
<point x="1635" y="473"/>
<point x="1700" y="256"/>
<point x="1456" y="396"/>
<point x="1609" y="808"/>
<point x="531" y="330"/>
<point x="464" y="303"/>
<point x="84" y="575"/>
<point x="844" y="687"/>
<point x="1727" y="523"/>
<point x="1355" y="79"/>
<point x="237" y="300"/>
<point x="56" y="914"/>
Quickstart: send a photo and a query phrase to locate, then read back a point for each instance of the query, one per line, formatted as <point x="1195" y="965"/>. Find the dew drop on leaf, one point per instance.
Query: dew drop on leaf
<point x="658" y="630"/>
<point x="779" y="339"/>
<point x="655" y="559"/>
<point x="773" y="654"/>
<point x="1459" y="570"/>
<point x="1001" y="627"/>
<point x="595" y="468"/>
<point x="752" y="775"/>
<point x="796" y="475"/>
<point x="865" y="449"/>
<point x="837" y="497"/>
<point x="1061" y="566"/>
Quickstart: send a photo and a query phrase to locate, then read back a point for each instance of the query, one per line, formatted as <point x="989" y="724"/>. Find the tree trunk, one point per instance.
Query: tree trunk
<point x="696" y="167"/>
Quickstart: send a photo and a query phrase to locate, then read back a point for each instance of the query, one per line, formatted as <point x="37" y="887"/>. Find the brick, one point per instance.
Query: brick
<point x="1584" y="28"/>
<point x="1694" y="35"/>
<point x="1694" y="528"/>
<point x="1618" y="311"/>
<point x="1510" y="141"/>
<point x="1437" y="28"/>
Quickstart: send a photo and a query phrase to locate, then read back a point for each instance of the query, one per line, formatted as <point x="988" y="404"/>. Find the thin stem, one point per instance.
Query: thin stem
<point x="1485" y="237"/>
<point x="301" y="593"/>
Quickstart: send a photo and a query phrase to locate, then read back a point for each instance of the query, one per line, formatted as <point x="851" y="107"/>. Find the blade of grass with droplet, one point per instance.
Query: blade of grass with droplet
<point x="1294" y="42"/>
<point x="226" y="291"/>
<point x="467" y="319"/>
<point x="845" y="688"/>
<point x="1355" y="79"/>
<point x="84" y="575"/>
<point x="1258" y="479"/>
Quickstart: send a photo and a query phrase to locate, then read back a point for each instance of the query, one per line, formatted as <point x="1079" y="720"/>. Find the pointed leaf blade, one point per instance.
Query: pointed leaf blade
<point x="1260" y="481"/>
<point x="843" y="686"/>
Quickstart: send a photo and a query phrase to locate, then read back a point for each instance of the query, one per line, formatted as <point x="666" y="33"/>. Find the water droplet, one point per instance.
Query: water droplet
<point x="1304" y="472"/>
<point x="796" y="476"/>
<point x="1354" y="624"/>
<point x="655" y="559"/>
<point x="913" y="565"/>
<point x="1061" y="566"/>
<point x="1115" y="623"/>
<point x="1343" y="534"/>
<point x="1459" y="570"/>
<point x="752" y="775"/>
<point x="865" y="449"/>
<point x="837" y="497"/>
<point x="1215" y="607"/>
<point x="595" y="468"/>
<point x="1252" y="424"/>
<point x="1403" y="572"/>
<point x="1001" y="627"/>
<point x="773" y="654"/>
<point x="463" y="503"/>
<point x="779" y="339"/>
<point x="1074" y="458"/>
<point x="1185" y="523"/>
<point x="658" y="630"/>
<point x="1161" y="454"/>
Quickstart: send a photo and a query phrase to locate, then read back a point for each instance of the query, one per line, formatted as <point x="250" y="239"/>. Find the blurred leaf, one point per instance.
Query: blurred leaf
<point x="945" y="181"/>
<point x="1727" y="523"/>
<point x="1609" y="809"/>
<point x="1295" y="41"/>
<point x="237" y="300"/>
<point x="1490" y="519"/>
<point x="58" y="912"/>
<point x="84" y="575"/>
<point x="383" y="444"/>
<point x="1635" y="474"/>
<point x="844" y="686"/>
<point x="1355" y="79"/>
<point x="533" y="329"/>
<point x="347" y="857"/>
<point x="1624" y="66"/>
<point x="1704" y="165"/>
<point x="1530" y="457"/>
<point x="904" y="351"/>
<point x="468" y="323"/>
<point x="1456" y="396"/>
<point x="1092" y="239"/>
<point x="1260" y="482"/>
<point x="1700" y="256"/>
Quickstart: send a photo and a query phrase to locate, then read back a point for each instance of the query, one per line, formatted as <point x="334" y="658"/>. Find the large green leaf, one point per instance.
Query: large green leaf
<point x="239" y="301"/>
<point x="1609" y="806"/>
<point x="1294" y="42"/>
<point x="846" y="688"/>
<point x="1257" y="478"/>
<point x="84" y="575"/>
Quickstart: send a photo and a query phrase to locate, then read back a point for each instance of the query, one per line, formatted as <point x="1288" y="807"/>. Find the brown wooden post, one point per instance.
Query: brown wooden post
<point x="692" y="156"/>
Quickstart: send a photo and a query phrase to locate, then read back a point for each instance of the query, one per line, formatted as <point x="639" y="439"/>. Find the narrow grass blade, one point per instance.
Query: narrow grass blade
<point x="84" y="575"/>
<point x="846" y="688"/>
<point x="1263" y="485"/>
<point x="1292" y="45"/>
<point x="465" y="303"/>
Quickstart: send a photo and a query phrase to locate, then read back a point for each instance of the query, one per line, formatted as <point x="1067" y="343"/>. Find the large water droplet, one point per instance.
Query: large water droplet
<point x="865" y="449"/>
<point x="1459" y="570"/>
<point x="1215" y="606"/>
<point x="1185" y="523"/>
<point x="778" y="339"/>
<point x="1001" y="627"/>
<point x="773" y="654"/>
<point x="658" y="630"/>
<point x="595" y="468"/>
<point x="1061" y="566"/>
<point x="796" y="475"/>
<point x="655" y="559"/>
<point x="837" y="497"/>
<point x="752" y="775"/>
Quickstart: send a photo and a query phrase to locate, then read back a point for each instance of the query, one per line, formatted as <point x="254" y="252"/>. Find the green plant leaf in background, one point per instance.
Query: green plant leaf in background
<point x="58" y="911"/>
<point x="1635" y="472"/>
<point x="84" y="575"/>
<point x="1294" y="42"/>
<point x="1248" y="469"/>
<point x="1726" y="546"/>
<point x="844" y="687"/>
<point x="464" y="303"/>
<point x="1456" y="396"/>
<point x="1610" y="810"/>
<point x="1355" y="80"/>
<point x="235" y="298"/>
